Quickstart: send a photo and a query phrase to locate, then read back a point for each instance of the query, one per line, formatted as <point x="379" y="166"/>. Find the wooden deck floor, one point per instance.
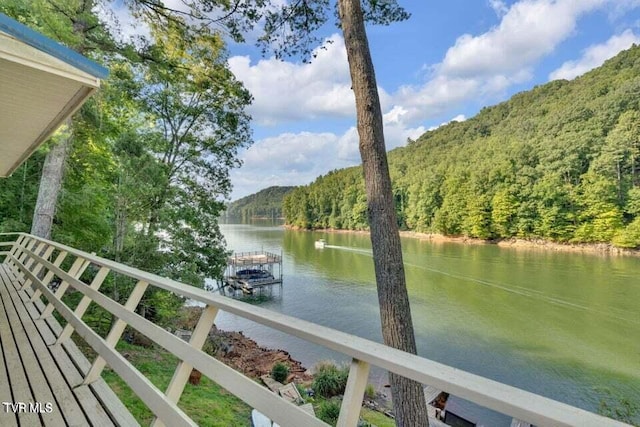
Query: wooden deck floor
<point x="40" y="381"/>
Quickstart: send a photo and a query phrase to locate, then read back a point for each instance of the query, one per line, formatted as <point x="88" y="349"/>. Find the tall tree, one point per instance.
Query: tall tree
<point x="291" y="28"/>
<point x="198" y="123"/>
<point x="395" y="313"/>
<point x="50" y="185"/>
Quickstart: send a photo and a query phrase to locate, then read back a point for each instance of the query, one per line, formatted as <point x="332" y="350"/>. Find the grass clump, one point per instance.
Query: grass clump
<point x="329" y="379"/>
<point x="329" y="411"/>
<point x="280" y="372"/>
<point x="370" y="391"/>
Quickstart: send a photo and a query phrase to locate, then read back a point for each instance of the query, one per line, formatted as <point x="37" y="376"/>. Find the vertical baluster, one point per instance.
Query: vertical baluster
<point x="183" y="370"/>
<point x="14" y="249"/>
<point x="116" y="331"/>
<point x="38" y="267"/>
<point x="29" y="243"/>
<point x="83" y="304"/>
<point x="77" y="268"/>
<point x="353" y="394"/>
<point x="47" y="278"/>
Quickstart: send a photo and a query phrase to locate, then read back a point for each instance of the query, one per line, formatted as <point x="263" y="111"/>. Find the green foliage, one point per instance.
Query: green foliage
<point x="329" y="411"/>
<point x="629" y="237"/>
<point x="370" y="391"/>
<point x="290" y="29"/>
<point x="265" y="203"/>
<point x="559" y="162"/>
<point x="280" y="372"/>
<point x="151" y="151"/>
<point x="18" y="195"/>
<point x="329" y="380"/>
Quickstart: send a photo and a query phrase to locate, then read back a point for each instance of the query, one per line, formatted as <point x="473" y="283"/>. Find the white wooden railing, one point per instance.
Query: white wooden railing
<point x="37" y="261"/>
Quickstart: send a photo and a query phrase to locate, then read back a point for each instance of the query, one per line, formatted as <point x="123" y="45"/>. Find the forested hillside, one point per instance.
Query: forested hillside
<point x="559" y="162"/>
<point x="265" y="203"/>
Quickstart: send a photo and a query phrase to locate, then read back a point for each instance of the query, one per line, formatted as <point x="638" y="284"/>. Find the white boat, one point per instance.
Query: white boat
<point x="320" y="244"/>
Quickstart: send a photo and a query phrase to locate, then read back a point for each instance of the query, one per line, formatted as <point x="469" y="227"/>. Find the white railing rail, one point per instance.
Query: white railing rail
<point x="31" y="257"/>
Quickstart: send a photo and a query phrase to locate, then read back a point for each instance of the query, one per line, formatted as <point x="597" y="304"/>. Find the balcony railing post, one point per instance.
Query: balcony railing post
<point x="353" y="394"/>
<point x="83" y="304"/>
<point x="77" y="268"/>
<point x="116" y="331"/>
<point x="183" y="370"/>
<point x="47" y="278"/>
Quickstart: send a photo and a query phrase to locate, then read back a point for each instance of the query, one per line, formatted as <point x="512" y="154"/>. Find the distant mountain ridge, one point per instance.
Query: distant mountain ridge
<point x="560" y="162"/>
<point x="266" y="203"/>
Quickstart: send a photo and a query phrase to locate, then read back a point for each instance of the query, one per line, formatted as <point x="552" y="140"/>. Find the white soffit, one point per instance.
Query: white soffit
<point x="38" y="92"/>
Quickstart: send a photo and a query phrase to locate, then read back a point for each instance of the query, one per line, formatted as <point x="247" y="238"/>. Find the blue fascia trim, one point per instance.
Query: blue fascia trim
<point x="53" y="48"/>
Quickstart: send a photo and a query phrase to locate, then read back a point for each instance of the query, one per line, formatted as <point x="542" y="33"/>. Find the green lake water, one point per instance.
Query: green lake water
<point x="563" y="325"/>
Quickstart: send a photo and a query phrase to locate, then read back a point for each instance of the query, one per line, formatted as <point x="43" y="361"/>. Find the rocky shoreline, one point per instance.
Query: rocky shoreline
<point x="245" y="355"/>
<point x="240" y="352"/>
<point x="539" y="244"/>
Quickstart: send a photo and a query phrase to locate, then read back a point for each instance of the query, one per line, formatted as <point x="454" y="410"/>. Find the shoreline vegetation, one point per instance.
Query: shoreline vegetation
<point x="512" y="242"/>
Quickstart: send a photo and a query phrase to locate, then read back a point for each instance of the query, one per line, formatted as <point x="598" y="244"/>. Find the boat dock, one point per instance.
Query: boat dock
<point x="252" y="272"/>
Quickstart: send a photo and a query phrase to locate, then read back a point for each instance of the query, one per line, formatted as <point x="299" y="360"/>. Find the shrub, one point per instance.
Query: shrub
<point x="329" y="379"/>
<point x="329" y="411"/>
<point x="630" y="236"/>
<point x="280" y="372"/>
<point x="370" y="391"/>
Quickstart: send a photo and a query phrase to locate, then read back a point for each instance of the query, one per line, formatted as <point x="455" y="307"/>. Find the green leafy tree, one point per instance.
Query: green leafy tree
<point x="196" y="110"/>
<point x="504" y="207"/>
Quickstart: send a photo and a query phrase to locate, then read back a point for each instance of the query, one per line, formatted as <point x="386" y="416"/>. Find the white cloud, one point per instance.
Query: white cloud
<point x="287" y="159"/>
<point x="595" y="55"/>
<point x="286" y="91"/>
<point x="299" y="158"/>
<point x="499" y="7"/>
<point x="528" y="31"/>
<point x="288" y="152"/>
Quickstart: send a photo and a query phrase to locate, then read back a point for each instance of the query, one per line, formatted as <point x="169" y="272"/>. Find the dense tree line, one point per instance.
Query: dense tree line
<point x="559" y="162"/>
<point x="266" y="203"/>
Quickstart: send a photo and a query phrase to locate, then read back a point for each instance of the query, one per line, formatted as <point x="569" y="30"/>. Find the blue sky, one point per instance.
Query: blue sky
<point x="450" y="59"/>
<point x="445" y="63"/>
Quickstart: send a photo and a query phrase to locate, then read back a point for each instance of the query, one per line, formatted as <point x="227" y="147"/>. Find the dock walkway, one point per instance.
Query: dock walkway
<point x="41" y="382"/>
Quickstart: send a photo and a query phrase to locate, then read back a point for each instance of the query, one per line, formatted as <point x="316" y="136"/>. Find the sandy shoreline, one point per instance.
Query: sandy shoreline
<point x="537" y="244"/>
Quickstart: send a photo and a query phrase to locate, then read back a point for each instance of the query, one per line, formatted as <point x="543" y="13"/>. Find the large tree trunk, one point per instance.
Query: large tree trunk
<point x="397" y="327"/>
<point x="50" y="185"/>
